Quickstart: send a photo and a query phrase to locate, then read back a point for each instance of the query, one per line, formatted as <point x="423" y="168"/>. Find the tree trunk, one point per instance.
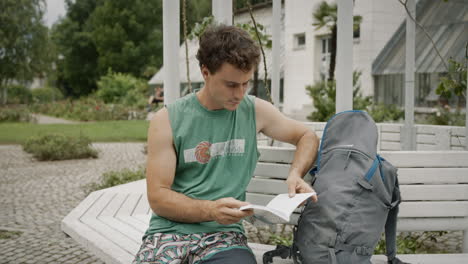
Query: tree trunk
<point x="4" y="85"/>
<point x="331" y="69"/>
<point x="255" y="83"/>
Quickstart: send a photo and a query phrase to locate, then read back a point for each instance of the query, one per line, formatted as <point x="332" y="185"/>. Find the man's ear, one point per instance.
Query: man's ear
<point x="205" y="72"/>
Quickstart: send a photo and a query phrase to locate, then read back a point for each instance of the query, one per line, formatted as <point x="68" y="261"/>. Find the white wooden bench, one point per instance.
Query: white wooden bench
<point x="434" y="184"/>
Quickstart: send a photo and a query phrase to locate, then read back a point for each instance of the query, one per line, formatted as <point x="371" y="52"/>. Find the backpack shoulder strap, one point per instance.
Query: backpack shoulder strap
<point x="391" y="226"/>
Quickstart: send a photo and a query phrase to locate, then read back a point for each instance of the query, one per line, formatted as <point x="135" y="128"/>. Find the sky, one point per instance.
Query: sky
<point x="55" y="9"/>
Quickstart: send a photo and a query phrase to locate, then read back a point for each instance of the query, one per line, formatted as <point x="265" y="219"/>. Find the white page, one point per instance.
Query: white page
<point x="266" y="214"/>
<point x="279" y="209"/>
<point x="287" y="205"/>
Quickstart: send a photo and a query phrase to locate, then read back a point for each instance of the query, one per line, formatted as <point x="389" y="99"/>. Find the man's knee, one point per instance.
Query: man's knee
<point x="231" y="256"/>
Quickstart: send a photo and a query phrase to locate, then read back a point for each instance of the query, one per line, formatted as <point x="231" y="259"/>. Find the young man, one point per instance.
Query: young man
<point x="202" y="152"/>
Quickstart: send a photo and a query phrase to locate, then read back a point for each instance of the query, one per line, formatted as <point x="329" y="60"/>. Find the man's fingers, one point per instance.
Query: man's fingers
<point x="232" y="203"/>
<point x="292" y="189"/>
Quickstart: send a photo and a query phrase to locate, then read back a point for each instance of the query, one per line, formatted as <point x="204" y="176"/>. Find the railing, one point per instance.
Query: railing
<point x="428" y="137"/>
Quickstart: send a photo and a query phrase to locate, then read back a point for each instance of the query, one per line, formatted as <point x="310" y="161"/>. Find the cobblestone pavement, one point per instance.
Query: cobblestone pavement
<point x="35" y="196"/>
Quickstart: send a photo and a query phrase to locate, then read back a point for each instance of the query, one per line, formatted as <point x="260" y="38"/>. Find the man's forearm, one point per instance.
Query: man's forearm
<point x="180" y="208"/>
<point x="306" y="153"/>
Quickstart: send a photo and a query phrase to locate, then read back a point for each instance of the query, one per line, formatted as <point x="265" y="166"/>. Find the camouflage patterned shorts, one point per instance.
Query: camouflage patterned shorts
<point x="191" y="249"/>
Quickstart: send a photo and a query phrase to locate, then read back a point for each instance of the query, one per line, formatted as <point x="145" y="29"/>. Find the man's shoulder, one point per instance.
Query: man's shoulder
<point x="181" y="102"/>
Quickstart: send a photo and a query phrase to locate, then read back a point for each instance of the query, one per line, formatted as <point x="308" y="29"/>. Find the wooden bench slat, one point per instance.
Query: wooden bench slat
<point x="434" y="192"/>
<point x="271" y="186"/>
<point x="407" y="209"/>
<point x="431" y="224"/>
<point x="434" y="209"/>
<point x="114" y="204"/>
<point x="144" y="218"/>
<point x="128" y="230"/>
<point x="405" y="175"/>
<point x="138" y="225"/>
<point x="425" y="139"/>
<point x="112" y="235"/>
<point x="129" y="204"/>
<point x="409" y="192"/>
<point x="390" y="136"/>
<point x="260" y="249"/>
<point x="427" y="159"/>
<point x="433" y="175"/>
<point x="400" y="159"/>
<point x="96" y="243"/>
<point x="276" y="154"/>
<point x="99" y="205"/>
<point x="142" y="206"/>
<point x="390" y="146"/>
<point x="272" y="170"/>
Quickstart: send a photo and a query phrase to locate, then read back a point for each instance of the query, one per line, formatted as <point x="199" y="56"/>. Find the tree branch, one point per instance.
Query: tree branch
<point x="263" y="52"/>
<point x="184" y="17"/>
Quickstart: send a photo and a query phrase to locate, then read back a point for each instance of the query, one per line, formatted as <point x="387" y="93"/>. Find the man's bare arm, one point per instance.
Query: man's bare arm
<point x="274" y="124"/>
<point x="160" y="173"/>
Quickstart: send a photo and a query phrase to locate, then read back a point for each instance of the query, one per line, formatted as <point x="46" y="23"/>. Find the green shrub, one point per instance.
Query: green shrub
<point x="60" y="147"/>
<point x="382" y="112"/>
<point x="46" y="95"/>
<point x="17" y="94"/>
<point x="122" y="88"/>
<point x="415" y="243"/>
<point x="15" y="114"/>
<point x="114" y="178"/>
<point x="89" y="109"/>
<point x="444" y="117"/>
<point x="324" y="95"/>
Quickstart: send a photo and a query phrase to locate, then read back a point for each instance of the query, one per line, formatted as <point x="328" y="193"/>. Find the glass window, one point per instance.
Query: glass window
<point x="299" y="41"/>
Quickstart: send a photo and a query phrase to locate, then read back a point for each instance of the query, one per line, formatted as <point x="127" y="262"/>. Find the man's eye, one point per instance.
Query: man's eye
<point x="231" y="85"/>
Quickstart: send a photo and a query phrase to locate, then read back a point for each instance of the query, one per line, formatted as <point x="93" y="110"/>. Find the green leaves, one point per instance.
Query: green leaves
<point x="454" y="83"/>
<point x="323" y="94"/>
<point x="23" y="40"/>
<point x="95" y="36"/>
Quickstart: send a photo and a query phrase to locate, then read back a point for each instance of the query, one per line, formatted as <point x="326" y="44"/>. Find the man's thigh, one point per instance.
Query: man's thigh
<point x="231" y="256"/>
<point x="163" y="248"/>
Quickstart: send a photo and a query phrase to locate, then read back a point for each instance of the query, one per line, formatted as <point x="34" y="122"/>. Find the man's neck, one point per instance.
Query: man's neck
<point x="205" y="100"/>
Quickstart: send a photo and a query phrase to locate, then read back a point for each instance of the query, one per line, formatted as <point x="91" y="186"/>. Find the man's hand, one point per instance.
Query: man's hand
<point x="226" y="211"/>
<point x="297" y="185"/>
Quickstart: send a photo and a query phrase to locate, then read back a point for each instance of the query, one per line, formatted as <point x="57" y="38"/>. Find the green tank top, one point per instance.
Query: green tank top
<point x="216" y="158"/>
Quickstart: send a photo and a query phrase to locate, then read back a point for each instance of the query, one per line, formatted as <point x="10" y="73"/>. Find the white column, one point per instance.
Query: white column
<point x="344" y="56"/>
<point x="171" y="29"/>
<point x="222" y="11"/>
<point x="466" y="127"/>
<point x="276" y="60"/>
<point x="408" y="131"/>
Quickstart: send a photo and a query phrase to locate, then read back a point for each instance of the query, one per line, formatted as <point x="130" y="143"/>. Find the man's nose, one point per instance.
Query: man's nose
<point x="239" y="92"/>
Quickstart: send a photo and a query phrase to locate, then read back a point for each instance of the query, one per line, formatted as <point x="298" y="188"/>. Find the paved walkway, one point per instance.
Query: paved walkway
<point x="35" y="196"/>
<point x="43" y="119"/>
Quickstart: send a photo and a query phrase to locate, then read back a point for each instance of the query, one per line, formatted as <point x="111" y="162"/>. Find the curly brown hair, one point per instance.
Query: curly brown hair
<point x="221" y="43"/>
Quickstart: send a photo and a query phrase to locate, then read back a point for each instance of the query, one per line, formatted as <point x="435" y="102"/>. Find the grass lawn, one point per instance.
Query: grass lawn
<point x="108" y="131"/>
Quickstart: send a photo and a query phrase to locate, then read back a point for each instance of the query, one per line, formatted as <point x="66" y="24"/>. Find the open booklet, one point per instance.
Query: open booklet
<point x="278" y="210"/>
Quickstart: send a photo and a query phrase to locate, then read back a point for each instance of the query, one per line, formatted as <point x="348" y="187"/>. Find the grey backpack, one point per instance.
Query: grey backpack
<point x="358" y="197"/>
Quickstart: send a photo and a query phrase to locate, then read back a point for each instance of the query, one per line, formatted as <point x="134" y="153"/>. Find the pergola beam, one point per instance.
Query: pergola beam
<point x="408" y="133"/>
<point x="222" y="11"/>
<point x="276" y="60"/>
<point x="171" y="45"/>
<point x="344" y="56"/>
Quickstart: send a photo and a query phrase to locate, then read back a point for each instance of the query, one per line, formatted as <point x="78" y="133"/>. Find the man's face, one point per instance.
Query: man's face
<point x="226" y="87"/>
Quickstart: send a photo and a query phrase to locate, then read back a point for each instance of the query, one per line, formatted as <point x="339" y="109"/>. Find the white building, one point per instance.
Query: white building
<point x="304" y="49"/>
